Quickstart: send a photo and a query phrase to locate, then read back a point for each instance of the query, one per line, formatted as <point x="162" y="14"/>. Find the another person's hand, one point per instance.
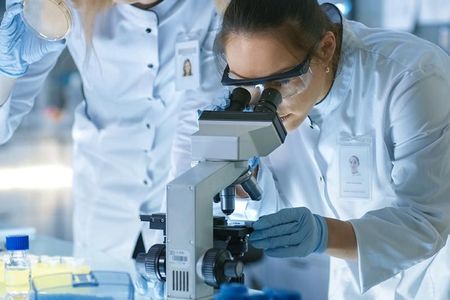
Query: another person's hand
<point x="290" y="232"/>
<point x="19" y="46"/>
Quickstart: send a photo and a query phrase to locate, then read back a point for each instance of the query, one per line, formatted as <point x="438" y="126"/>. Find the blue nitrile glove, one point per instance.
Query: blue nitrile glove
<point x="290" y="232"/>
<point x="19" y="45"/>
<point x="253" y="162"/>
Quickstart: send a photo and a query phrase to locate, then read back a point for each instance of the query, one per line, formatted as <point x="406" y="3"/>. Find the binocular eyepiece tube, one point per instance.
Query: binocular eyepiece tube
<point x="268" y="102"/>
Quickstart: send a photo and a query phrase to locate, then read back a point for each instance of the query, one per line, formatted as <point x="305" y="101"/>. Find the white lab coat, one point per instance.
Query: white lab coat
<point x="133" y="124"/>
<point x="395" y="89"/>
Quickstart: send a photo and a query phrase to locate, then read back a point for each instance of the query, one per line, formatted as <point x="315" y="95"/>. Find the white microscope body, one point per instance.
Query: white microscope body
<point x="226" y="140"/>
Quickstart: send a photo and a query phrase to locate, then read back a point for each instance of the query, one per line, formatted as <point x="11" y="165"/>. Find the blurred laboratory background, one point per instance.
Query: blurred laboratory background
<point x="35" y="165"/>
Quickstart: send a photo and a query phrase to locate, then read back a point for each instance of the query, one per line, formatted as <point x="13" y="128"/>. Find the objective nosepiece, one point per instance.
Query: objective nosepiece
<point x="227" y="197"/>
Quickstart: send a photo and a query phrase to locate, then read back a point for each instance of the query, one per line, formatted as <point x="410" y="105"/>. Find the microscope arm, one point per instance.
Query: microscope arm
<point x="190" y="223"/>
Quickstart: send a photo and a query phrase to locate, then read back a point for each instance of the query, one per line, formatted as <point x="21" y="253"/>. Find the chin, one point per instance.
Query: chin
<point x="136" y="1"/>
<point x="291" y="124"/>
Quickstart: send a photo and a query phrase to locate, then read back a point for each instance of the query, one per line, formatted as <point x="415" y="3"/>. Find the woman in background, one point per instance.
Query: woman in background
<point x="133" y="113"/>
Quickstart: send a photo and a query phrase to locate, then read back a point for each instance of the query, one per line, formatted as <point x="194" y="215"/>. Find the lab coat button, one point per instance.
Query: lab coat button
<point x="145" y="182"/>
<point x="148" y="126"/>
<point x="150" y="66"/>
<point x="148" y="30"/>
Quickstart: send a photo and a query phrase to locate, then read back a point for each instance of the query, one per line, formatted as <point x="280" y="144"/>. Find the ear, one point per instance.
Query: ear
<point x="326" y="48"/>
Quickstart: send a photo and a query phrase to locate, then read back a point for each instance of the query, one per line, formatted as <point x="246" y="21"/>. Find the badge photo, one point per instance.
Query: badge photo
<point x="355" y="167"/>
<point x="187" y="65"/>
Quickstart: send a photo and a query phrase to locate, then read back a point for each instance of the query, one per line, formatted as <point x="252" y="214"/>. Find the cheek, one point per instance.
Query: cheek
<point x="294" y="122"/>
<point x="298" y="105"/>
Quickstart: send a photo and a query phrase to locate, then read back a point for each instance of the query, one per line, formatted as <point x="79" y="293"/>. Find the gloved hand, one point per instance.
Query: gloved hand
<point x="19" y="45"/>
<point x="253" y="162"/>
<point x="290" y="232"/>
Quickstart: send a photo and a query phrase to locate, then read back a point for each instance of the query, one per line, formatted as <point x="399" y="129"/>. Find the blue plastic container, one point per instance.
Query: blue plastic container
<point x="105" y="285"/>
<point x="237" y="291"/>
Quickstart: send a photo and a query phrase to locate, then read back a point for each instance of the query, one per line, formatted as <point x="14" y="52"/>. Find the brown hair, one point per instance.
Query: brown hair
<point x="88" y="10"/>
<point x="301" y="23"/>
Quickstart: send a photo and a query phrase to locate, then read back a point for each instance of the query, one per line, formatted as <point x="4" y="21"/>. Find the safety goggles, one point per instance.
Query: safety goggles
<point x="289" y="83"/>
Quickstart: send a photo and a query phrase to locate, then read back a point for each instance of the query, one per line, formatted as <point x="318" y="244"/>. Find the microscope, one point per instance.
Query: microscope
<point x="201" y="251"/>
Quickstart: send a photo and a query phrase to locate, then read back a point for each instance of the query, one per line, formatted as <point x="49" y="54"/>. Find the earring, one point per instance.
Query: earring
<point x="327" y="69"/>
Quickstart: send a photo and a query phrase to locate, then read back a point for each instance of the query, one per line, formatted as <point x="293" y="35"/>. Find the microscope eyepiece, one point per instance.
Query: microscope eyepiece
<point x="269" y="101"/>
<point x="239" y="99"/>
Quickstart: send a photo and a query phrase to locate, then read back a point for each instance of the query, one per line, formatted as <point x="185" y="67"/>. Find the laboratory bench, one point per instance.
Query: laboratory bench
<point x="41" y="245"/>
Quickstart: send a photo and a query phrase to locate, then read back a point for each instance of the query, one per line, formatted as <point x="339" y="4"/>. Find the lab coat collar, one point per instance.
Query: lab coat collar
<point x="162" y="9"/>
<point x="343" y="79"/>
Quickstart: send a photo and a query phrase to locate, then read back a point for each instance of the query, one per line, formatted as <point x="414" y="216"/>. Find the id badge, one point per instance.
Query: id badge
<point x="187" y="62"/>
<point x="355" y="166"/>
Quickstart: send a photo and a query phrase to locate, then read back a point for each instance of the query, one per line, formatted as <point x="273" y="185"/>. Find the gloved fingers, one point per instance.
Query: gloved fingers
<point x="10" y="43"/>
<point x="272" y="220"/>
<point x="10" y="14"/>
<point x="287" y="252"/>
<point x="288" y="240"/>
<point x="286" y="215"/>
<point x="54" y="46"/>
<point x="14" y="43"/>
<point x="10" y="3"/>
<point x="253" y="162"/>
<point x="278" y="230"/>
<point x="11" y="33"/>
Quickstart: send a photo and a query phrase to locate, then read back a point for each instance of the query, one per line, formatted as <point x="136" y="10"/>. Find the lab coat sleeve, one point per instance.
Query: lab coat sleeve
<point x="210" y="94"/>
<point x="23" y="95"/>
<point x="416" y="226"/>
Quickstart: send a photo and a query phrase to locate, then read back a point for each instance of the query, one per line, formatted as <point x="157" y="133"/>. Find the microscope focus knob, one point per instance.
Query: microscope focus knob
<point x="218" y="267"/>
<point x="234" y="269"/>
<point x="152" y="265"/>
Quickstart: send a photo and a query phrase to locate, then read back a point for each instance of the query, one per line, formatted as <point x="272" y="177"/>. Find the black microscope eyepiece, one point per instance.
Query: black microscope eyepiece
<point x="269" y="101"/>
<point x="239" y="99"/>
